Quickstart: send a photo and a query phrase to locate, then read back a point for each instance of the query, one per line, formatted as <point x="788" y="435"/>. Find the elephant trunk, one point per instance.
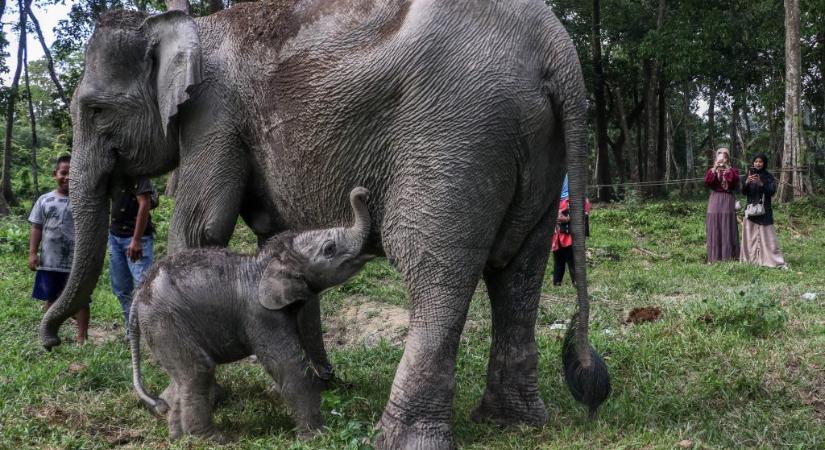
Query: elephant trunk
<point x="88" y="195"/>
<point x="359" y="232"/>
<point x="584" y="369"/>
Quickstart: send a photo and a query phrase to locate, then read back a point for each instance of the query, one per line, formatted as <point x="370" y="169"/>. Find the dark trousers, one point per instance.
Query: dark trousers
<point x="562" y="256"/>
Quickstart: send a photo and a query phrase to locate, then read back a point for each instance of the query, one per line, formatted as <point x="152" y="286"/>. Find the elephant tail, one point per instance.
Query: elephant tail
<point x="157" y="405"/>
<point x="584" y="369"/>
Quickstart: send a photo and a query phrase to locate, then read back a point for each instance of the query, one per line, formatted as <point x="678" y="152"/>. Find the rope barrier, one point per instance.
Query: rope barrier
<point x="646" y="183"/>
<point x="656" y="183"/>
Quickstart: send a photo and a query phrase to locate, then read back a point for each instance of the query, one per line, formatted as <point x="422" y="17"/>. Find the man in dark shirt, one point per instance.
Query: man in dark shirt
<point x="131" y="240"/>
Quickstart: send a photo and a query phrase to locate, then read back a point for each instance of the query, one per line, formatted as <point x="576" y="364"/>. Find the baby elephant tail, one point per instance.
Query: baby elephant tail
<point x="156" y="405"/>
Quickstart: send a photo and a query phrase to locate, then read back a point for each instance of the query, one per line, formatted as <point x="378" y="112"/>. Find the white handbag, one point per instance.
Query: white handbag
<point x="756" y="209"/>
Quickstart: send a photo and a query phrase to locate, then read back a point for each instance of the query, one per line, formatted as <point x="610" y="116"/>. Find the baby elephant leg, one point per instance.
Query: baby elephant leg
<point x="196" y="405"/>
<point x="170" y="396"/>
<point x="312" y="340"/>
<point x="299" y="386"/>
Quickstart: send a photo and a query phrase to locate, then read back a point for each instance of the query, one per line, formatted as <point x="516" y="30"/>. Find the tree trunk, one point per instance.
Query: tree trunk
<point x="791" y="184"/>
<point x="21" y="48"/>
<point x="624" y="137"/>
<point x="4" y="207"/>
<point x="712" y="120"/>
<point x="734" y="142"/>
<point x="748" y="134"/>
<point x="741" y="142"/>
<point x="605" y="192"/>
<point x="661" y="138"/>
<point x="640" y="143"/>
<point x="689" y="162"/>
<point x="655" y="161"/>
<point x="50" y="62"/>
<point x="33" y="122"/>
<point x="651" y="120"/>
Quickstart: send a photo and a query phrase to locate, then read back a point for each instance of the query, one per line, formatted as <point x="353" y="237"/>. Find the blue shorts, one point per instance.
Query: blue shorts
<point x="49" y="284"/>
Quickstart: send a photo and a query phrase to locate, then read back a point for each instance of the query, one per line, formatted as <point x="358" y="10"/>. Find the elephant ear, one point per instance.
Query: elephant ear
<point x="176" y="55"/>
<point x="279" y="288"/>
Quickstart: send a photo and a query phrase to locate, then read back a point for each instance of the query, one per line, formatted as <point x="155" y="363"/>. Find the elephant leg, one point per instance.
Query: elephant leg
<point x="312" y="340"/>
<point x="298" y="385"/>
<point x="170" y="396"/>
<point x="512" y="394"/>
<point x="440" y="243"/>
<point x="196" y="404"/>
<point x="208" y="199"/>
<point x="419" y="410"/>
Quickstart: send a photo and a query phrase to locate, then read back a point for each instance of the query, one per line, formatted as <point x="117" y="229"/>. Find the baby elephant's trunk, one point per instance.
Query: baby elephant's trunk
<point x="156" y="405"/>
<point x="360" y="230"/>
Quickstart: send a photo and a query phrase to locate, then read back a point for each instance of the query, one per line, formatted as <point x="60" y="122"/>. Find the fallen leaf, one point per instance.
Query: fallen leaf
<point x="685" y="443"/>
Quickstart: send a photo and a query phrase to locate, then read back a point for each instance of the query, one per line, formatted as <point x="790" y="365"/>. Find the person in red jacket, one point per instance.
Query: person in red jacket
<point x="720" y="225"/>
<point x="563" y="240"/>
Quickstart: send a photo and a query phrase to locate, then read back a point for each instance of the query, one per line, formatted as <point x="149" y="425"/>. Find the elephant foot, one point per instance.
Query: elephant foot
<point x="393" y="435"/>
<point x="508" y="406"/>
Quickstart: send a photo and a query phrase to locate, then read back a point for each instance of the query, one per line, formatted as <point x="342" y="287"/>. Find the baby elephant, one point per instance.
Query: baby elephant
<point x="200" y="308"/>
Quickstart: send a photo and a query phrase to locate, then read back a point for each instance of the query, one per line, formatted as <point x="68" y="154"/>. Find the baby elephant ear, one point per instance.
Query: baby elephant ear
<point x="279" y="289"/>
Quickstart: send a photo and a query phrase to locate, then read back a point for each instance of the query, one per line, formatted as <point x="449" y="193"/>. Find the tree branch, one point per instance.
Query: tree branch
<point x="24" y="6"/>
<point x="60" y="91"/>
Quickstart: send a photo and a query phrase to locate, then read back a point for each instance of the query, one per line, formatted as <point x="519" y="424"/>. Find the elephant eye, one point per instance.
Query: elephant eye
<point x="329" y="249"/>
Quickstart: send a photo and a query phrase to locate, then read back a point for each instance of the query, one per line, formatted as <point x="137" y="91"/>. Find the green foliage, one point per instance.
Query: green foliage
<point x="750" y="311"/>
<point x="14" y="236"/>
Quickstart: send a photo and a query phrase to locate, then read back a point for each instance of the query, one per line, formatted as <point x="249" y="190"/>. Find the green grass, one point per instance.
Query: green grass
<point x="736" y="359"/>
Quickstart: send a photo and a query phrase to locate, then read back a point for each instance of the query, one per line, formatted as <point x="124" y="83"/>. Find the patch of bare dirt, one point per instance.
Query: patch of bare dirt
<point x="367" y="323"/>
<point x="645" y="314"/>
<point x="115" y="435"/>
<point x="101" y="334"/>
<point x="54" y="415"/>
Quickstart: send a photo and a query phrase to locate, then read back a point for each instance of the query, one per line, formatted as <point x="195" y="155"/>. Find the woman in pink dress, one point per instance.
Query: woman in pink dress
<point x="720" y="225"/>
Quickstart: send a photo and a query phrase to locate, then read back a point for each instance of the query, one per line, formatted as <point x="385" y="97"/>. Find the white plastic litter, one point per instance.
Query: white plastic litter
<point x="809" y="296"/>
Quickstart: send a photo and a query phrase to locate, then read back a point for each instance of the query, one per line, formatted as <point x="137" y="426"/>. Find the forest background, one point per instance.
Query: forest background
<point x="669" y="81"/>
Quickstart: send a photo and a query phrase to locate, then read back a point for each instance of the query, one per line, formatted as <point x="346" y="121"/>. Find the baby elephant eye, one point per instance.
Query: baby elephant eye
<point x="329" y="249"/>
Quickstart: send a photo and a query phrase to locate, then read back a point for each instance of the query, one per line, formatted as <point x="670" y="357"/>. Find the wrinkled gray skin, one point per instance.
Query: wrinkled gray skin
<point x="459" y="117"/>
<point x="200" y="308"/>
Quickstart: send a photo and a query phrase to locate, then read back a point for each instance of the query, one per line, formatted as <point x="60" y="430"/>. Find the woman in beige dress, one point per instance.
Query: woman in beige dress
<point x="759" y="243"/>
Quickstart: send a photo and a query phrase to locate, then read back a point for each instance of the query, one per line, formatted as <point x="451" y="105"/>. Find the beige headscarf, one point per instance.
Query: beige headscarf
<point x="726" y="152"/>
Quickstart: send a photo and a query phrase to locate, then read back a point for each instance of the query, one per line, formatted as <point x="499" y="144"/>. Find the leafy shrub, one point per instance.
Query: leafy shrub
<point x="808" y="207"/>
<point x="750" y="311"/>
<point x="14" y="236"/>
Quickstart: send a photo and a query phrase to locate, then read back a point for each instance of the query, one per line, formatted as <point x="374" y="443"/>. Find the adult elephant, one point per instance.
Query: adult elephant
<point x="459" y="117"/>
